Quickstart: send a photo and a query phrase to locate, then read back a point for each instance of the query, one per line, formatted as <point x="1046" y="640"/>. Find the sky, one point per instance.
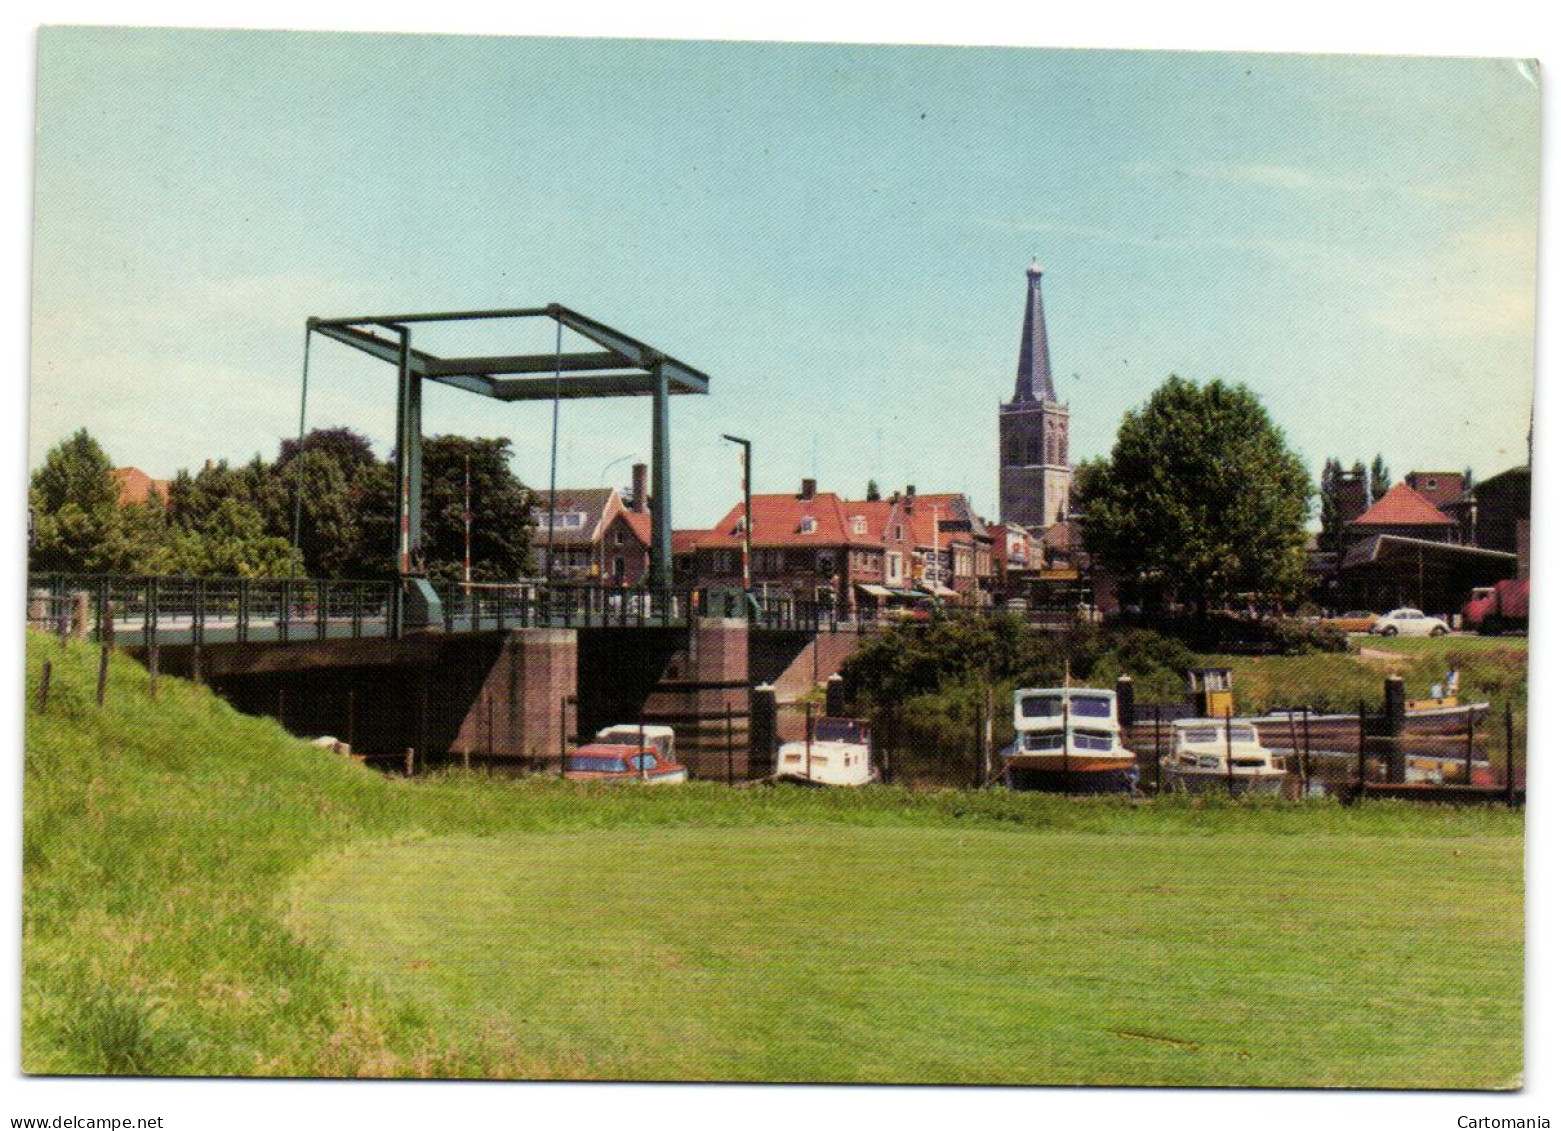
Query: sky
<point x="836" y="235"/>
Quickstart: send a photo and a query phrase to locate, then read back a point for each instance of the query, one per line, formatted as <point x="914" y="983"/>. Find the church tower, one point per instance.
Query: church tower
<point x="1034" y="476"/>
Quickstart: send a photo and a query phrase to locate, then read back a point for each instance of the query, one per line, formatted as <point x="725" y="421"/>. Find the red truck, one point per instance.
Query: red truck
<point x="1502" y="608"/>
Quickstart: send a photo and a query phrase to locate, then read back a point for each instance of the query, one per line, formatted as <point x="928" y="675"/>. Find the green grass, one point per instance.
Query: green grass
<point x="205" y="895"/>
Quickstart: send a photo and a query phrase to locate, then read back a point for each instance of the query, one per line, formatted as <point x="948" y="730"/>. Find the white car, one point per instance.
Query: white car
<point x="1409" y="622"/>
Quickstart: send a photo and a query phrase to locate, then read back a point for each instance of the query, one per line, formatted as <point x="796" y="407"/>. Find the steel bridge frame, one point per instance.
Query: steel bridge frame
<point x="623" y="367"/>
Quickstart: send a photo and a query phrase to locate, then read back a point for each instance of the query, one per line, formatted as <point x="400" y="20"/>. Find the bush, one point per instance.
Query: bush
<point x="1298" y="637"/>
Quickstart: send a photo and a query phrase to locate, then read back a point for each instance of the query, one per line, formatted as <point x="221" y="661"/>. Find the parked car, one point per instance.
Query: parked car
<point x="1501" y="608"/>
<point x="1409" y="622"/>
<point x="1357" y="621"/>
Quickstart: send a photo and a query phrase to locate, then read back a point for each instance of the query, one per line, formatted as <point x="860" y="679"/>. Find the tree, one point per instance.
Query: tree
<point x="325" y="483"/>
<point x="501" y="510"/>
<point x="232" y="542"/>
<point x="1332" y="533"/>
<point x="1200" y="500"/>
<point x="1381" y="478"/>
<point x="79" y="526"/>
<point x="873" y="493"/>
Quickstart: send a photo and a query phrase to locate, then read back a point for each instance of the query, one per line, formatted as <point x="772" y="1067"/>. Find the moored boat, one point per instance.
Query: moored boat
<point x="1068" y="740"/>
<point x="834" y="752"/>
<point x="627" y="753"/>
<point x="1213" y="755"/>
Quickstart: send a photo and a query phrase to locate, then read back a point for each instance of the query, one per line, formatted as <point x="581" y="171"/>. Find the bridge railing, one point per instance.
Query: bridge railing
<point x="134" y="611"/>
<point x="182" y="610"/>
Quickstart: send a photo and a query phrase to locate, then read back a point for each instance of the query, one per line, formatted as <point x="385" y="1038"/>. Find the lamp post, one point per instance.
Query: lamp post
<point x="747" y="447"/>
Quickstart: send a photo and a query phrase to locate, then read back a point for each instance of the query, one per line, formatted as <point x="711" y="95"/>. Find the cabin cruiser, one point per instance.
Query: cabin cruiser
<point x="1067" y="739"/>
<point x="1220" y="754"/>
<point x="834" y="752"/>
<point x="627" y="753"/>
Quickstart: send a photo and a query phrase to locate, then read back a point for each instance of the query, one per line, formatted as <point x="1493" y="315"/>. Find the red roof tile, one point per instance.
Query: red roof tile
<point x="1403" y="506"/>
<point x="778" y="520"/>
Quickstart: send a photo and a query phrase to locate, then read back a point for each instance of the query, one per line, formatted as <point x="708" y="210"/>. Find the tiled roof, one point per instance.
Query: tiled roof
<point x="136" y="486"/>
<point x="950" y="507"/>
<point x="1403" y="506"/>
<point x="640" y="524"/>
<point x="780" y="520"/>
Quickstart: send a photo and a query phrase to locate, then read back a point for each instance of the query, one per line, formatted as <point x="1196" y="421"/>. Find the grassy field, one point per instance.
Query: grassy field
<point x="205" y="895"/>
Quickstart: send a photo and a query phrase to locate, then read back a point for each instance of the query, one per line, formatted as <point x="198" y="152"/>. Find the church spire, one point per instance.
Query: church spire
<point x="1035" y="364"/>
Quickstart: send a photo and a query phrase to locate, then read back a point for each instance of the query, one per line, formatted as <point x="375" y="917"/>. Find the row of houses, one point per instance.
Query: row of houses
<point x="818" y="547"/>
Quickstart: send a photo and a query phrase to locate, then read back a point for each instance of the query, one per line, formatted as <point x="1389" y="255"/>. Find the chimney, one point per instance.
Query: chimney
<point x="910" y="490"/>
<point x="809" y="488"/>
<point x="637" y="493"/>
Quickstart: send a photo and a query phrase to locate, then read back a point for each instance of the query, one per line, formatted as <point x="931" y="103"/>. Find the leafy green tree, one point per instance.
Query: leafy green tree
<point x="501" y="510"/>
<point x="1200" y="500"/>
<point x="232" y="542"/>
<point x="873" y="493"/>
<point x="323" y="484"/>
<point x="79" y="526"/>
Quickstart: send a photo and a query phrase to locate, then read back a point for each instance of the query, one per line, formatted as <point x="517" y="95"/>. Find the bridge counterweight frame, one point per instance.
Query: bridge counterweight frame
<point x="624" y="366"/>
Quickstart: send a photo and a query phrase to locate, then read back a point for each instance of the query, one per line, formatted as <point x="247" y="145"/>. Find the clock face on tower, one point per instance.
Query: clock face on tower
<point x="1035" y="476"/>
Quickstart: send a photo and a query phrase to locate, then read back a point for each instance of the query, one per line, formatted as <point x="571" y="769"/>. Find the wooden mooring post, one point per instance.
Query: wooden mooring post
<point x="153" y="662"/>
<point x="1157" y="754"/>
<point x="1468" y="746"/>
<point x="729" y="750"/>
<point x="1360" y="761"/>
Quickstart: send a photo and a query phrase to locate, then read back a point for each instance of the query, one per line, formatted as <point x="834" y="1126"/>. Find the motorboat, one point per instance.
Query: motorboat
<point x="627" y="753"/>
<point x="1210" y="755"/>
<point x="834" y="752"/>
<point x="1068" y="740"/>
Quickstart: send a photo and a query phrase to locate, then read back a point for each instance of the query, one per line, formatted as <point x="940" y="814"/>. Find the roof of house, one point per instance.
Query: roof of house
<point x="639" y="522"/>
<point x="1403" y="506"/>
<point x="949" y="507"/>
<point x="779" y="521"/>
<point x="591" y="503"/>
<point x="685" y="540"/>
<point x="136" y="486"/>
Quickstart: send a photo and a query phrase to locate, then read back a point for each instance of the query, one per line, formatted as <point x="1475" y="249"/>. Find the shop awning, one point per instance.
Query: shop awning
<point x="874" y="590"/>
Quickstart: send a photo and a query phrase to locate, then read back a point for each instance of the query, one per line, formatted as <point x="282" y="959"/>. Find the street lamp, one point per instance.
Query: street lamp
<point x="747" y="447"/>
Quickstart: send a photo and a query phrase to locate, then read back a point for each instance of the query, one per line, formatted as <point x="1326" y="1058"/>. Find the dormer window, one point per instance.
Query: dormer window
<point x="742" y="525"/>
<point x="858" y="524"/>
<point x="809" y="525"/>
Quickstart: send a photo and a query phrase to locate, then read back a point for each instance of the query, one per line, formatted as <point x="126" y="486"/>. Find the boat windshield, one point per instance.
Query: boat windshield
<point x="839" y="730"/>
<point x="1214" y="732"/>
<point x="1040" y="706"/>
<point x="597" y="765"/>
<point x="1043" y="740"/>
<point x="1091" y="707"/>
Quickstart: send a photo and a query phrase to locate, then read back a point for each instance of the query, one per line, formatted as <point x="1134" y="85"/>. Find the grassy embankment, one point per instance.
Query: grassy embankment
<point x="204" y="894"/>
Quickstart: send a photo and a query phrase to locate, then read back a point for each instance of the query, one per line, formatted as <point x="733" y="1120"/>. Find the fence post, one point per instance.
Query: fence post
<point x="563" y="737"/>
<point x="1360" y="760"/>
<point x="835" y="696"/>
<point x="1157" y="753"/>
<point x="1468" y="746"/>
<point x="411" y="761"/>
<point x="102" y="673"/>
<point x="43" y="686"/>
<point x="1306" y="748"/>
<point x="195" y="663"/>
<point x="1230" y="765"/>
<point x="352" y="718"/>
<point x="1512" y="785"/>
<point x="152" y="665"/>
<point x="80" y="601"/>
<point x="729" y="751"/>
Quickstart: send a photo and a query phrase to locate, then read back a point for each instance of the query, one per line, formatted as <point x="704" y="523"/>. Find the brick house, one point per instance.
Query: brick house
<point x="812" y="546"/>
<point x="953" y="545"/>
<point x="596" y="534"/>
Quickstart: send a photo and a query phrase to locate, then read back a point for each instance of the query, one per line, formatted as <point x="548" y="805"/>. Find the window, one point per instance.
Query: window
<point x="858" y="524"/>
<point x="826" y="562"/>
<point x="561" y="520"/>
<point x="742" y="524"/>
<point x="1043" y="740"/>
<point x="643" y="761"/>
<point x="620" y="569"/>
<point x="1040" y="706"/>
<point x="1032" y="450"/>
<point x="1092" y="739"/>
<point x="809" y="525"/>
<point x="1430" y="484"/>
<point x="894" y="567"/>
<point x="899" y="533"/>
